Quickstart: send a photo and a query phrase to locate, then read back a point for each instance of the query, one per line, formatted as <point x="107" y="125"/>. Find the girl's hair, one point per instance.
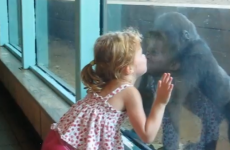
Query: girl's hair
<point x="112" y="52"/>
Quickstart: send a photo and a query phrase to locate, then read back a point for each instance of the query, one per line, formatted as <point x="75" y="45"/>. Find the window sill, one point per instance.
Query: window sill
<point x="25" y="87"/>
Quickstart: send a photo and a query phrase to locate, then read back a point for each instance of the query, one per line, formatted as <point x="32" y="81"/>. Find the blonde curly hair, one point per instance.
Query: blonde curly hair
<point x="112" y="52"/>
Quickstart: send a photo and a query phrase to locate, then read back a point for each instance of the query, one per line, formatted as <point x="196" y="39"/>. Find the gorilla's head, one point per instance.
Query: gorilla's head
<point x="171" y="34"/>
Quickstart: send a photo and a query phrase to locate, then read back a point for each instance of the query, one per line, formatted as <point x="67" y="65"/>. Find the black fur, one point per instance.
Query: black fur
<point x="198" y="68"/>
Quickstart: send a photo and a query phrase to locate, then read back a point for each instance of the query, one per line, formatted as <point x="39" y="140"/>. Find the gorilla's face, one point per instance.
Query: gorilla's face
<point x="158" y="60"/>
<point x="171" y="34"/>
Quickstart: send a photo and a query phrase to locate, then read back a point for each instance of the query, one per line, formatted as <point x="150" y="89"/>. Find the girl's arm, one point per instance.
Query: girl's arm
<point x="147" y="128"/>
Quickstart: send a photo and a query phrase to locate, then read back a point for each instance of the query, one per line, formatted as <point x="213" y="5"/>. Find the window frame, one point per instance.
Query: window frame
<point x="28" y="33"/>
<point x="87" y="29"/>
<point x="5" y="34"/>
<point x="40" y="28"/>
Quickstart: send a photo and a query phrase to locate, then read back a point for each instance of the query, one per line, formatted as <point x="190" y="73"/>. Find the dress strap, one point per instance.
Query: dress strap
<point x="117" y="90"/>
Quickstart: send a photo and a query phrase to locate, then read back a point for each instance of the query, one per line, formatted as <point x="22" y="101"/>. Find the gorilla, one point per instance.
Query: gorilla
<point x="200" y="84"/>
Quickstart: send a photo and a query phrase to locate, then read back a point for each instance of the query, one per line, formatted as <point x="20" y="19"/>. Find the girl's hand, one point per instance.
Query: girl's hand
<point x="164" y="89"/>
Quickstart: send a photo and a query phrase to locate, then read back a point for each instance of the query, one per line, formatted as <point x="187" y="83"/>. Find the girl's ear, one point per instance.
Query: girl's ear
<point x="128" y="70"/>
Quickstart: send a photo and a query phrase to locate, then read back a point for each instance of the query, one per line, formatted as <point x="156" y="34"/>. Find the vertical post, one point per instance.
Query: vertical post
<point x="114" y="16"/>
<point x="19" y="22"/>
<point x="4" y="34"/>
<point x="42" y="32"/>
<point x="87" y="25"/>
<point x="103" y="14"/>
<point x="28" y="33"/>
<point x="14" y="27"/>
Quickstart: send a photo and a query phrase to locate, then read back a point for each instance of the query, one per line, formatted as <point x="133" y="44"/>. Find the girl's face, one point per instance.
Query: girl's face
<point x="140" y="62"/>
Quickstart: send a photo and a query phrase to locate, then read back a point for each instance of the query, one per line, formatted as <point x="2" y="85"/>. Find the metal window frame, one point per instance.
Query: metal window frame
<point x="28" y="33"/>
<point x="87" y="29"/>
<point x="4" y="29"/>
<point x="4" y="36"/>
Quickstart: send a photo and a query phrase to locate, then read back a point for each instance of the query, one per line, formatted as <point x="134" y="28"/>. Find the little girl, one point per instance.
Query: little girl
<point x="93" y="123"/>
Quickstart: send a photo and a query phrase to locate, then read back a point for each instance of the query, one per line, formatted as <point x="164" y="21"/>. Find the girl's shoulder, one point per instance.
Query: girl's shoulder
<point x="132" y="90"/>
<point x="121" y="88"/>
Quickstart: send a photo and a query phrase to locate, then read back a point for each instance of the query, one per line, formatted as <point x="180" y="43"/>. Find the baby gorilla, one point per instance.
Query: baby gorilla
<point x="200" y="83"/>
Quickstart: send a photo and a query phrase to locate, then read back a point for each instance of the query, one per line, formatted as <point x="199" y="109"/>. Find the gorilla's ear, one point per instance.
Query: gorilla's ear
<point x="186" y="35"/>
<point x="174" y="66"/>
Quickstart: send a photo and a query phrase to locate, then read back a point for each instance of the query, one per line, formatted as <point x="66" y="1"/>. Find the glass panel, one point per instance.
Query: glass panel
<point x="14" y="11"/>
<point x="199" y="107"/>
<point x="55" y="39"/>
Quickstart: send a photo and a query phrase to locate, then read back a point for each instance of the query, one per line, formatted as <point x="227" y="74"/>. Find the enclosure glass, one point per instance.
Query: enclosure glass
<point x="14" y="14"/>
<point x="55" y="39"/>
<point x="199" y="109"/>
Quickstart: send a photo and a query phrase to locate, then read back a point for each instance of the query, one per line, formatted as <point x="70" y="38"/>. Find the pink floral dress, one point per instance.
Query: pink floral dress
<point x="92" y="124"/>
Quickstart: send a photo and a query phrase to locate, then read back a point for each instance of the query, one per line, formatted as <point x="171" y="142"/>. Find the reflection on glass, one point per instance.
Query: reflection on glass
<point x="55" y="39"/>
<point x="177" y="40"/>
<point x="14" y="14"/>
